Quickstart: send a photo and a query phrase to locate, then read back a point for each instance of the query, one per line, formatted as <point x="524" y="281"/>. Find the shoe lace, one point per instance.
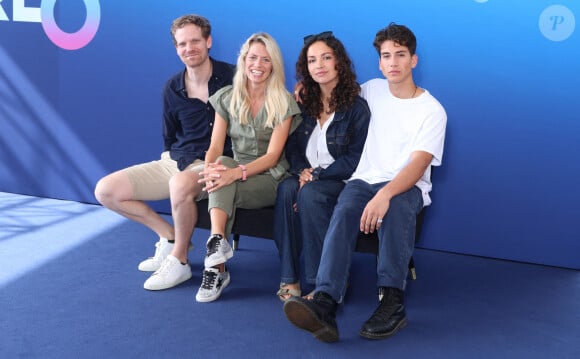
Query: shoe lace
<point x="208" y="279"/>
<point x="165" y="268"/>
<point x="385" y="309"/>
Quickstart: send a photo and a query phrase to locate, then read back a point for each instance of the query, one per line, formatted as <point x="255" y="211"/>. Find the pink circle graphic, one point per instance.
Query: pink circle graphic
<point x="65" y="40"/>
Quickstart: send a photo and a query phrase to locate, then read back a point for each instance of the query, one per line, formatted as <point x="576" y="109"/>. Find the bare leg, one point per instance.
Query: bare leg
<point x="115" y="192"/>
<point x="184" y="189"/>
<point x="218" y="221"/>
<point x="218" y="226"/>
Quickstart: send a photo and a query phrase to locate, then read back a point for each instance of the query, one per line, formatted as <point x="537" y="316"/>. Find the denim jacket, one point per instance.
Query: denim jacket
<point x="345" y="139"/>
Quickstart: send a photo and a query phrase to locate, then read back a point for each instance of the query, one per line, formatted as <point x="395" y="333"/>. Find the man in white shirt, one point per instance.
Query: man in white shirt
<point x="386" y="192"/>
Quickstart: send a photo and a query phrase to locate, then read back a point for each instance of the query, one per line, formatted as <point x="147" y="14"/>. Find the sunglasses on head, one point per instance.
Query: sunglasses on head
<point x="322" y="35"/>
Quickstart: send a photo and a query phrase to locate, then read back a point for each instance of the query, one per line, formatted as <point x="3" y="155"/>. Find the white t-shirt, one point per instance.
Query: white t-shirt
<point x="397" y="128"/>
<point x="317" y="149"/>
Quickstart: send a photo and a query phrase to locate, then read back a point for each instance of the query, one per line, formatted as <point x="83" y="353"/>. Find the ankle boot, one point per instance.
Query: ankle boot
<point x="388" y="318"/>
<point x="317" y="316"/>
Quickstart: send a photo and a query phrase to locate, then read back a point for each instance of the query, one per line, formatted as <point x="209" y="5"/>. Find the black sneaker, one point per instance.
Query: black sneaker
<point x="388" y="318"/>
<point x="316" y="316"/>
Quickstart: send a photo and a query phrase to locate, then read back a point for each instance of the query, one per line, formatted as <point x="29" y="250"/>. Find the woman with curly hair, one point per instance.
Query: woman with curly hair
<point x="323" y="153"/>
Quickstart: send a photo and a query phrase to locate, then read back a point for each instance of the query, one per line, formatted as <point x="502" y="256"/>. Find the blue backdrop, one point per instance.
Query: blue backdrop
<point x="505" y="71"/>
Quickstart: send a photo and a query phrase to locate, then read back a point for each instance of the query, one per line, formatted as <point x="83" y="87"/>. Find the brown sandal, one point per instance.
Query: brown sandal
<point x="284" y="293"/>
<point x="309" y="296"/>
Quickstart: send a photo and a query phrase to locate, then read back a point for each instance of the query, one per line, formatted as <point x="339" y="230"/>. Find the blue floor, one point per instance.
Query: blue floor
<point x="70" y="288"/>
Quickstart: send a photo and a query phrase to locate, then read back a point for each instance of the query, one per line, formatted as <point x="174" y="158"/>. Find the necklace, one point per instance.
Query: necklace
<point x="414" y="92"/>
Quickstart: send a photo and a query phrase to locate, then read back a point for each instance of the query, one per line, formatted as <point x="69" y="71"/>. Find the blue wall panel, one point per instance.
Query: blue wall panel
<point x="505" y="71"/>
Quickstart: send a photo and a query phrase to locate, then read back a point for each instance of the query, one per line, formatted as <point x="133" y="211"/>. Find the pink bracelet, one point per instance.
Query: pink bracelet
<point x="244" y="173"/>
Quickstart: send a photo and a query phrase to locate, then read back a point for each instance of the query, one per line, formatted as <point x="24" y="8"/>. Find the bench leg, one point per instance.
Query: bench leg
<point x="236" y="242"/>
<point x="412" y="269"/>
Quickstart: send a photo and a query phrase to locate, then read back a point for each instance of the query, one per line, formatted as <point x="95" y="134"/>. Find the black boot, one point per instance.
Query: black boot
<point x="317" y="315"/>
<point x="388" y="318"/>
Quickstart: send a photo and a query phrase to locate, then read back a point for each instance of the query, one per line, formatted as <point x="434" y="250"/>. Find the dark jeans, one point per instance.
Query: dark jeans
<point x="396" y="238"/>
<point x="302" y="232"/>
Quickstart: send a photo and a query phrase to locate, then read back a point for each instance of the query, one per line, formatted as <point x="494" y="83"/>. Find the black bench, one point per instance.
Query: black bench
<point x="259" y="223"/>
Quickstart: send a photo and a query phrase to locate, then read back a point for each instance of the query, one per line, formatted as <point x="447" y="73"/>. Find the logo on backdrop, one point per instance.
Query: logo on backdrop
<point x="557" y="23"/>
<point x="45" y="16"/>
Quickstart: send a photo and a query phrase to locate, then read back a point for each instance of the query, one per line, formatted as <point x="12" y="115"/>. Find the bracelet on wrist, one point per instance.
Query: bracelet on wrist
<point x="244" y="173"/>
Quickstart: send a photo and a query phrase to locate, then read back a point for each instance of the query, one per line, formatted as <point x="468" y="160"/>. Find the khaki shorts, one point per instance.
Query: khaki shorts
<point x="151" y="180"/>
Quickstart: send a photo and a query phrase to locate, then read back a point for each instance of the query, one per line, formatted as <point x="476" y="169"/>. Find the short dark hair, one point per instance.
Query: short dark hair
<point x="399" y="34"/>
<point x="196" y="20"/>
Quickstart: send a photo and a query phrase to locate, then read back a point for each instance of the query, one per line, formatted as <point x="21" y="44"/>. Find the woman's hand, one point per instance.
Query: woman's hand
<point x="298" y="92"/>
<point x="215" y="176"/>
<point x="305" y="176"/>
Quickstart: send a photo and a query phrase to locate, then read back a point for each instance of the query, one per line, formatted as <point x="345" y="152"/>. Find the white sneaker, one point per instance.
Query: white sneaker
<point x="170" y="274"/>
<point x="212" y="285"/>
<point x="162" y="249"/>
<point x="218" y="251"/>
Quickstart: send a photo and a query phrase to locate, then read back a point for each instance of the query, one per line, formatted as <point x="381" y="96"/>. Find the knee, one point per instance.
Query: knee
<point x="307" y="194"/>
<point x="400" y="205"/>
<point x="114" y="189"/>
<point x="104" y="191"/>
<point x="183" y="185"/>
<point x="347" y="208"/>
<point x="287" y="189"/>
<point x="311" y="194"/>
<point x="305" y="200"/>
<point x="401" y="214"/>
<point x="227" y="161"/>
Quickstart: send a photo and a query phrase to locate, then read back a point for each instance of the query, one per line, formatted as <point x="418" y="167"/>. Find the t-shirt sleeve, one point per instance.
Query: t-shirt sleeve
<point x="220" y="101"/>
<point x="294" y="112"/>
<point x="366" y="88"/>
<point x="431" y="137"/>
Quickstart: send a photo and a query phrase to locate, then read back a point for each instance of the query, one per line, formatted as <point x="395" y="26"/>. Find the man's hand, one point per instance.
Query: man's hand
<point x="374" y="213"/>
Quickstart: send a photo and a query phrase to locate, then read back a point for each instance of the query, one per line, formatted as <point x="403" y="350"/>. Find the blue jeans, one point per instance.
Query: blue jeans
<point x="396" y="238"/>
<point x="302" y="232"/>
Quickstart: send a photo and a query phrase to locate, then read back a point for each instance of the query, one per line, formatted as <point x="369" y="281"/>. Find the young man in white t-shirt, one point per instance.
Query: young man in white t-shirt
<point x="386" y="192"/>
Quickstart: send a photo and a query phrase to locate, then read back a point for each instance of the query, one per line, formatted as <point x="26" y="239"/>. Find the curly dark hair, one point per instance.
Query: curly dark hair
<point x="346" y="90"/>
<point x="399" y="34"/>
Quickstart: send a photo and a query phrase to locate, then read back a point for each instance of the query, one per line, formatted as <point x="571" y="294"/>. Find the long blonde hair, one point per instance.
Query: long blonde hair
<point x="276" y="96"/>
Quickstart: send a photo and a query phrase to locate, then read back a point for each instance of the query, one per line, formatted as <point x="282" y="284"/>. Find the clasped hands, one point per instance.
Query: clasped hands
<point x="215" y="176"/>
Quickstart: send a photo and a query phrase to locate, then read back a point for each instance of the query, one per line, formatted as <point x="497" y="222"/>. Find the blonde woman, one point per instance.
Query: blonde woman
<point x="258" y="114"/>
